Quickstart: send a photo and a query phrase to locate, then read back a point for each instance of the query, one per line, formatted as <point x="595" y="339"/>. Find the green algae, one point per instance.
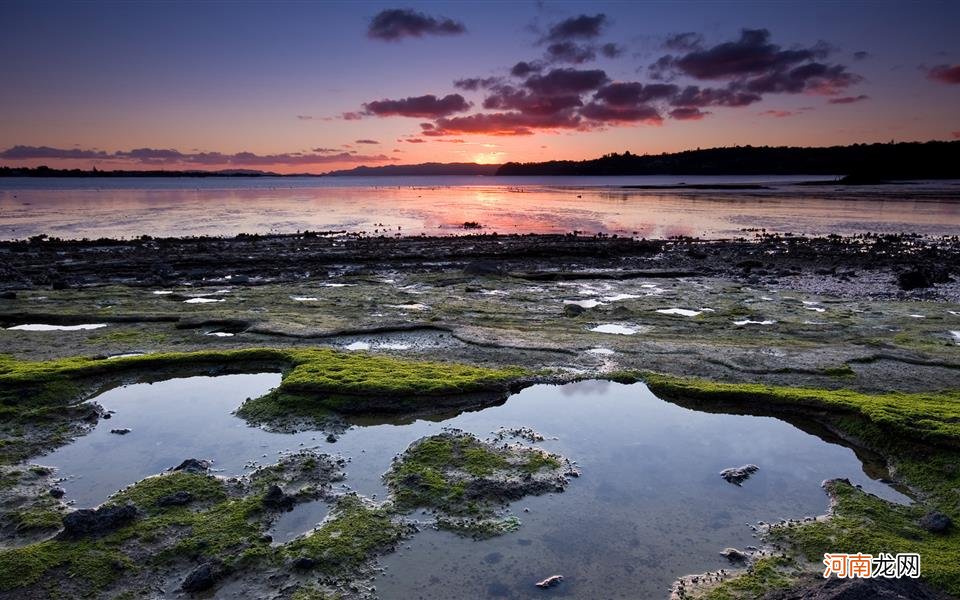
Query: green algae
<point x="354" y="531"/>
<point x="861" y="522"/>
<point x="763" y="576"/>
<point x="315" y="382"/>
<point x="927" y="417"/>
<point x="459" y="475"/>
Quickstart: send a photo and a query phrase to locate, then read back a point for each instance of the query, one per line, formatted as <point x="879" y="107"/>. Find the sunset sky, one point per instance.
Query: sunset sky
<point x="311" y="87"/>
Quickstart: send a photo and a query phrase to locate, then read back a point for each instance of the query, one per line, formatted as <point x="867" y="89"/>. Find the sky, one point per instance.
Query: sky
<point x="318" y="86"/>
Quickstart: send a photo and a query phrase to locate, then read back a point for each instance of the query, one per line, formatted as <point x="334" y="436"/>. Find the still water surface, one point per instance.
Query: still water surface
<point x="649" y="506"/>
<point x="77" y="208"/>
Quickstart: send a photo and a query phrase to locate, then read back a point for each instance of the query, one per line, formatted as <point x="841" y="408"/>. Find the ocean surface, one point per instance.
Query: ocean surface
<point x="130" y="207"/>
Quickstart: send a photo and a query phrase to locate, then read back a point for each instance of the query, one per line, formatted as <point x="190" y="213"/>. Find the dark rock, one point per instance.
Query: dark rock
<point x="573" y="310"/>
<point x="193" y="465"/>
<point x="106" y="415"/>
<point x="877" y="588"/>
<point x="8" y="295"/>
<point x="935" y="522"/>
<point x="303" y="563"/>
<point x="482" y="267"/>
<point x="203" y="577"/>
<point x="57" y="492"/>
<point x="737" y="475"/>
<point x="331" y="438"/>
<point x="88" y="521"/>
<point x="922" y="277"/>
<point x="175" y="499"/>
<point x="734" y="555"/>
<point x="276" y="499"/>
<point x="748" y="264"/>
<point x="121" y="431"/>
<point x="621" y="312"/>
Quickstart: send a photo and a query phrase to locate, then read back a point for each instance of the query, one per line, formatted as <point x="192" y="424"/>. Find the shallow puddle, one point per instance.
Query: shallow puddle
<point x="47" y="327"/>
<point x="614" y="329"/>
<point x="650" y="504"/>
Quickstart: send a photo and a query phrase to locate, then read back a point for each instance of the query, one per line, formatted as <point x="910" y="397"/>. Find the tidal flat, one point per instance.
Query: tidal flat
<point x="409" y="417"/>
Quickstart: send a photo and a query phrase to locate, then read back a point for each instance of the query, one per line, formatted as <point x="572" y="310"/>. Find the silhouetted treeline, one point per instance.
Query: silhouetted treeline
<point x="45" y="171"/>
<point x="861" y="163"/>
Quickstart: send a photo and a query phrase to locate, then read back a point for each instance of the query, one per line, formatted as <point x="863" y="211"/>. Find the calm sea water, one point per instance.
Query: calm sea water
<point x="77" y="208"/>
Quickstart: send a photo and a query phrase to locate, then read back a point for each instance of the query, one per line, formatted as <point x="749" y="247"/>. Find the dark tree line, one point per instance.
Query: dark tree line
<point x="859" y="162"/>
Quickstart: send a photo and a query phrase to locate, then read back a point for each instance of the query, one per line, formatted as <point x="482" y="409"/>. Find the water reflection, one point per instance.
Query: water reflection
<point x="382" y="206"/>
<point x="649" y="506"/>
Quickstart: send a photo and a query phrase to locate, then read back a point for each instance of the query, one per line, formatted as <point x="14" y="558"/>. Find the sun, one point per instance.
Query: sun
<point x="488" y="158"/>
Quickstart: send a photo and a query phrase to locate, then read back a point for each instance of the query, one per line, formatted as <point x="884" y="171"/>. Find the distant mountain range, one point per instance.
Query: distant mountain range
<point x="859" y="163"/>
<point x="432" y="168"/>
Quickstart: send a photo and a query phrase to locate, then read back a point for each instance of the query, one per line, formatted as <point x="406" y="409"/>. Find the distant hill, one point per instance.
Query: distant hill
<point x="861" y="163"/>
<point x="421" y="169"/>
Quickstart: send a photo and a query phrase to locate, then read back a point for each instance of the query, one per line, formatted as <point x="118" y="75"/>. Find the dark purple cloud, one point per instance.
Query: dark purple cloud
<point x="472" y="84"/>
<point x="752" y="54"/>
<point x="570" y="52"/>
<point x="688" y="114"/>
<point x="632" y="93"/>
<point x="32" y="152"/>
<point x="506" y="123"/>
<point x="812" y="77"/>
<point x="683" y="42"/>
<point x="861" y="55"/>
<point x="582" y="27"/>
<point x="753" y="66"/>
<point x="366" y="142"/>
<point x="611" y="50"/>
<point x="510" y="98"/>
<point x="524" y="68"/>
<point x="425" y="107"/>
<point x="566" y="81"/>
<point x="695" y="96"/>
<point x="848" y="99"/>
<point x="609" y="114"/>
<point x="395" y="24"/>
<point x="945" y="74"/>
<point x="168" y="156"/>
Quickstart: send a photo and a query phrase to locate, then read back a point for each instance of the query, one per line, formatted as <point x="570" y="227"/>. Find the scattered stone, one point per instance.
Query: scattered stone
<point x="303" y="563"/>
<point x="734" y="555"/>
<point x="175" y="499"/>
<point x="88" y="521"/>
<point x="573" y="310"/>
<point x="550" y="582"/>
<point x="193" y="465"/>
<point x="276" y="499"/>
<point x="935" y="522"/>
<point x="737" y="475"/>
<point x="482" y="267"/>
<point x="57" y="492"/>
<point x="331" y="438"/>
<point x="203" y="577"/>
<point x="120" y="431"/>
<point x="921" y="277"/>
